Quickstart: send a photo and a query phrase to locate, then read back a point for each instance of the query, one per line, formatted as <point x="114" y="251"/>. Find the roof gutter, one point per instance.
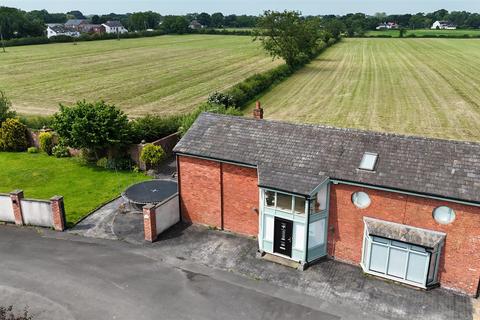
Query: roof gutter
<point x="422" y="195"/>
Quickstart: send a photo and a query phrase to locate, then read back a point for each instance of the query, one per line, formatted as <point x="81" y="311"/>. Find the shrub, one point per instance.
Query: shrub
<point x="152" y="155"/>
<point x="13" y="136"/>
<point x="151" y="128"/>
<point x="60" y="151"/>
<point x="5" y="105"/>
<point x="190" y="118"/>
<point x="32" y="150"/>
<point x="221" y="98"/>
<point x="248" y="89"/>
<point x="36" y="122"/>
<point x="46" y="142"/>
<point x="102" y="162"/>
<point x="95" y="126"/>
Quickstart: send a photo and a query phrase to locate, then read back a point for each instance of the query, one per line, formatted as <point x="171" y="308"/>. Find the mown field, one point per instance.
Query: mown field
<point x="427" y="32"/>
<point x="162" y="75"/>
<point x="413" y="86"/>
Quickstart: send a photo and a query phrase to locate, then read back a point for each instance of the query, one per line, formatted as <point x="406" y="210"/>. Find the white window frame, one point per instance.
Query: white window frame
<point x="364" y="157"/>
<point x="365" y="263"/>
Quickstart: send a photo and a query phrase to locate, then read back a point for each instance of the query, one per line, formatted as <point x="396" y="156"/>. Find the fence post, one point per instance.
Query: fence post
<point x="149" y="223"/>
<point x="58" y="212"/>
<point x="17" y="197"/>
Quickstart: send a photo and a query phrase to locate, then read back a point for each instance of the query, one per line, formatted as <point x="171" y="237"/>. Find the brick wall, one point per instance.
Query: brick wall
<point x="240" y="199"/>
<point x="199" y="182"/>
<point x="460" y="260"/>
<point x="202" y="183"/>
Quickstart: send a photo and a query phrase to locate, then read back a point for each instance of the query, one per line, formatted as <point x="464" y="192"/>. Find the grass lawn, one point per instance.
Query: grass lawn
<point x="427" y="32"/>
<point x="163" y="75"/>
<point x="413" y="86"/>
<point x="83" y="187"/>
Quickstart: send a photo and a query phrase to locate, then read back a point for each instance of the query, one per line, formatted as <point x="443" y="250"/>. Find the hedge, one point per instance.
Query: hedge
<point x="251" y="87"/>
<point x="109" y="36"/>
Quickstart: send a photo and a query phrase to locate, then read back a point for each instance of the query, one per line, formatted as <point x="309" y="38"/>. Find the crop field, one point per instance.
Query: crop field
<point x="414" y="86"/>
<point x="472" y="33"/>
<point x="162" y="75"/>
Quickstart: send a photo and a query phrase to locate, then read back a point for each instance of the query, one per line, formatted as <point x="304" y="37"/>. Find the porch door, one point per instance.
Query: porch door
<point x="282" y="238"/>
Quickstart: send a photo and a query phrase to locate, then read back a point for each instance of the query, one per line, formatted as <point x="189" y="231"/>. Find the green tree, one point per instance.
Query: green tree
<point x="93" y="126"/>
<point x="5" y="108"/>
<point x="333" y="27"/>
<point x="76" y="14"/>
<point x="175" y="24"/>
<point x="96" y="19"/>
<point x="288" y="36"/>
<point x="15" y="23"/>
<point x="217" y="20"/>
<point x="204" y="19"/>
<point x="139" y="21"/>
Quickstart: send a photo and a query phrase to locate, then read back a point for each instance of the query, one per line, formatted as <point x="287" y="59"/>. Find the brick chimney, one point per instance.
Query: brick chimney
<point x="258" y="111"/>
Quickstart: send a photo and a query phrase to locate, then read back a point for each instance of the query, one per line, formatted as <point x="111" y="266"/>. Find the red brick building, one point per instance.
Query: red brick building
<point x="403" y="208"/>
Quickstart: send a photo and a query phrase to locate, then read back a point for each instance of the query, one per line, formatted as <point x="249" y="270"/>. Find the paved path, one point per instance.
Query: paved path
<point x="62" y="276"/>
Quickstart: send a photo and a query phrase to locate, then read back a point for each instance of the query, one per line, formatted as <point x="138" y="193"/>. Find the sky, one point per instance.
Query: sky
<point x="254" y="7"/>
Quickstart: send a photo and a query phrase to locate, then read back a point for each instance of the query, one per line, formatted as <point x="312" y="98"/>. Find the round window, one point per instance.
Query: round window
<point x="361" y="200"/>
<point x="444" y="215"/>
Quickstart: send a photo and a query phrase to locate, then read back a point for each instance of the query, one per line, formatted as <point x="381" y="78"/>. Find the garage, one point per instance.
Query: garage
<point x="401" y="253"/>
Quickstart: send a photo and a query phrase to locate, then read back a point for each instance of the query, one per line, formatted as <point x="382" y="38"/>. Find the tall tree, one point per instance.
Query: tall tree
<point x="76" y="14"/>
<point x="288" y="36"/>
<point x="218" y="20"/>
<point x="175" y="24"/>
<point x="204" y="19"/>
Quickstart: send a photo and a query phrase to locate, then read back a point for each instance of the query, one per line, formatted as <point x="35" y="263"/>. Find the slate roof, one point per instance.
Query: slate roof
<point x="298" y="157"/>
<point x="60" y="29"/>
<point x="113" y="24"/>
<point x="74" y="22"/>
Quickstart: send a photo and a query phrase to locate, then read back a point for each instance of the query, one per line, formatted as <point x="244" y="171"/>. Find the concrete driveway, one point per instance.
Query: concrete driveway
<point x="63" y="276"/>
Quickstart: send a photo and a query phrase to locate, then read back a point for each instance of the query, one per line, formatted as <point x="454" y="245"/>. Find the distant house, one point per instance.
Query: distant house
<point x="60" y="30"/>
<point x="387" y="26"/>
<point x="92" y="28"/>
<point x="114" y="27"/>
<point x="195" y="25"/>
<point x="446" y="25"/>
<point x="75" y="24"/>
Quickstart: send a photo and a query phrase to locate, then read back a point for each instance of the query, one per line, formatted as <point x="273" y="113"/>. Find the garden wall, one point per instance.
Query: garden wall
<point x="14" y="208"/>
<point x="167" y="143"/>
<point x="160" y="217"/>
<point x="6" y="208"/>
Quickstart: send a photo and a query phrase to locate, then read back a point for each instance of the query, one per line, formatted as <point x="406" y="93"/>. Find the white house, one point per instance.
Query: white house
<point x="195" y="25"/>
<point x="446" y="25"/>
<point x="114" y="27"/>
<point x="387" y="25"/>
<point x="60" y="30"/>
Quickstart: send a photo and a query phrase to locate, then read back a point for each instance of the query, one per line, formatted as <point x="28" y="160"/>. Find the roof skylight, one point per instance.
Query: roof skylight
<point x="369" y="160"/>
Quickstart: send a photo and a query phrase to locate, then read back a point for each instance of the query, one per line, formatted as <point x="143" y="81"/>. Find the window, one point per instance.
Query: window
<point x="284" y="202"/>
<point x="318" y="202"/>
<point x="270" y="199"/>
<point x="361" y="200"/>
<point x="444" y="215"/>
<point x="398" y="260"/>
<point x="369" y="160"/>
<point x="299" y="205"/>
